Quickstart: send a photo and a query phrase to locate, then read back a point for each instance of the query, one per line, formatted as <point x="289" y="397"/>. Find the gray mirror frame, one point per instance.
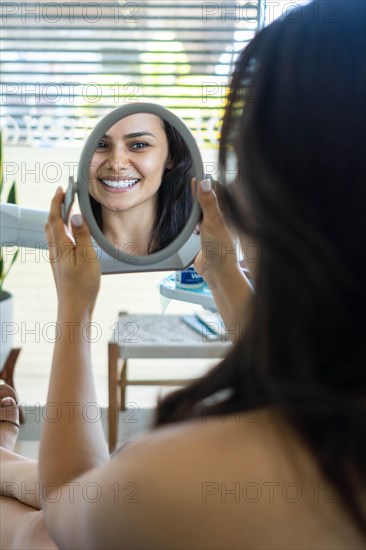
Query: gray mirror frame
<point x="151" y="261"/>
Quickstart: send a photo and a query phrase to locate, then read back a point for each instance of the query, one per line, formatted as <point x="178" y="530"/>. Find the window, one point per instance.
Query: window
<point x="65" y="64"/>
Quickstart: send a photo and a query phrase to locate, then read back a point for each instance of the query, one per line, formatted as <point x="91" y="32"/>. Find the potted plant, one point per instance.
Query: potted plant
<point x="6" y="299"/>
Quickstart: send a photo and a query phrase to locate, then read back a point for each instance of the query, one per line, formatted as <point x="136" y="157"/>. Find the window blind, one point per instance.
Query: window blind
<point x="66" y="64"/>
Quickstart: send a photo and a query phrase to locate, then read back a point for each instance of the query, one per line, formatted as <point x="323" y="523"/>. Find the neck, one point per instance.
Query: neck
<point x="129" y="230"/>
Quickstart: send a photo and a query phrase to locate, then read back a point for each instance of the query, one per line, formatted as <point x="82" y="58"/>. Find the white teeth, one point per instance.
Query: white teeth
<point x="120" y="184"/>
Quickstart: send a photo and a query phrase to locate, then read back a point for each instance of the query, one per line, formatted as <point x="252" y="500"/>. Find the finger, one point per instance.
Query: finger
<point x="208" y="202"/>
<point x="55" y="226"/>
<point x="81" y="234"/>
<point x="194" y="187"/>
<point x="56" y="204"/>
<point x="58" y="235"/>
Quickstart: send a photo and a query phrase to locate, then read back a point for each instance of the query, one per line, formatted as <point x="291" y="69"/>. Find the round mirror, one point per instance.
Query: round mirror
<point x="135" y="188"/>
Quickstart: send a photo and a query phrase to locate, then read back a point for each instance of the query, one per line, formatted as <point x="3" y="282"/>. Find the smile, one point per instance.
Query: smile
<point x="120" y="184"/>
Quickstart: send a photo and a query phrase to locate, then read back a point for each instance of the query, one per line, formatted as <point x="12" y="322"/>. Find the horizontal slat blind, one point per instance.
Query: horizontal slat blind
<point x="65" y="64"/>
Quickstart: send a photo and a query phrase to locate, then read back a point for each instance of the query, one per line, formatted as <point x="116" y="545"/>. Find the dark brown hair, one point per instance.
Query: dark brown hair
<point x="296" y="121"/>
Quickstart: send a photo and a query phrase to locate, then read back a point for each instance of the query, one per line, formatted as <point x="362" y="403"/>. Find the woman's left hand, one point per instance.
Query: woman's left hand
<point x="74" y="260"/>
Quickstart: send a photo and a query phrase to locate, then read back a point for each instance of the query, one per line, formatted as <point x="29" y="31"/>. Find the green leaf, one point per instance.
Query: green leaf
<point x="12" y="198"/>
<point x="1" y="164"/>
<point x="4" y="275"/>
<point x="14" y="258"/>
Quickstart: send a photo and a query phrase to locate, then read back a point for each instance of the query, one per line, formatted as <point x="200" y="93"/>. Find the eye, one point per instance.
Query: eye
<point x="101" y="146"/>
<point x="139" y="145"/>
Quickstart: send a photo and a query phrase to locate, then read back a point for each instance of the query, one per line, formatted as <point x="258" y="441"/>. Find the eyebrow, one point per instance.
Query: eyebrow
<point x="134" y="135"/>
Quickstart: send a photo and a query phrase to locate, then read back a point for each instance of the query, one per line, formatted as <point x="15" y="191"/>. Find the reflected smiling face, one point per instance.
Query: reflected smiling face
<point x="129" y="162"/>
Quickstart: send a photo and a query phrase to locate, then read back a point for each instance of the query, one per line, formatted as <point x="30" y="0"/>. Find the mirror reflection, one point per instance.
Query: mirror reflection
<point x="140" y="184"/>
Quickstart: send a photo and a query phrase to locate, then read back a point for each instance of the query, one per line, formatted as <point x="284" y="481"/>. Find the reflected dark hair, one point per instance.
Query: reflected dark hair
<point x="175" y="199"/>
<point x="296" y="120"/>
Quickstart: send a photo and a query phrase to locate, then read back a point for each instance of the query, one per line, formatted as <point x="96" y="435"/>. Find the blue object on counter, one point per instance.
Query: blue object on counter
<point x="200" y="295"/>
<point x="189" y="278"/>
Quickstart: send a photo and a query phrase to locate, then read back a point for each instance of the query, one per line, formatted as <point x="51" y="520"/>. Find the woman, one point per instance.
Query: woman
<point x="140" y="183"/>
<point x="267" y="450"/>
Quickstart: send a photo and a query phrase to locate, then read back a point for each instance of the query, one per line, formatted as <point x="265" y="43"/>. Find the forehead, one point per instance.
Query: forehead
<point x="138" y="122"/>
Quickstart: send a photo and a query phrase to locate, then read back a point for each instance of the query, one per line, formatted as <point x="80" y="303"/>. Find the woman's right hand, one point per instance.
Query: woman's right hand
<point x="218" y="263"/>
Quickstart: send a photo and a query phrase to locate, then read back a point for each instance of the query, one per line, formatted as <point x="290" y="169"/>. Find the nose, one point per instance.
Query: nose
<point x="118" y="159"/>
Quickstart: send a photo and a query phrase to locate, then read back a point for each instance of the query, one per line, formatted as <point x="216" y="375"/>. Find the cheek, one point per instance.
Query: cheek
<point x="99" y="158"/>
<point x="153" y="166"/>
<point x="93" y="172"/>
<point x="92" y="178"/>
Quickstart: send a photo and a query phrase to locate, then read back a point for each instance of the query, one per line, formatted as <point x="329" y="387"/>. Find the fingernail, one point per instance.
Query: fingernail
<point x="7" y="402"/>
<point x="205" y="186"/>
<point x="197" y="229"/>
<point x="77" y="220"/>
<point x="59" y="189"/>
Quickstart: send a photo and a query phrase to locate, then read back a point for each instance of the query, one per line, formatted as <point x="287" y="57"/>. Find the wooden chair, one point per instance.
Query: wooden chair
<point x="7" y="375"/>
<point x="150" y="337"/>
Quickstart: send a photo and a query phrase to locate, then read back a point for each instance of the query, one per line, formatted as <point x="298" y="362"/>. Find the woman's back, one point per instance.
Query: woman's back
<point x="241" y="481"/>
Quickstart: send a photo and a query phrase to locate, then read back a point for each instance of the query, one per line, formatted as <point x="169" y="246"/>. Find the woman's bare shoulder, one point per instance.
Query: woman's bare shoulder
<point x="198" y="439"/>
<point x="214" y="437"/>
<point x="248" y="470"/>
